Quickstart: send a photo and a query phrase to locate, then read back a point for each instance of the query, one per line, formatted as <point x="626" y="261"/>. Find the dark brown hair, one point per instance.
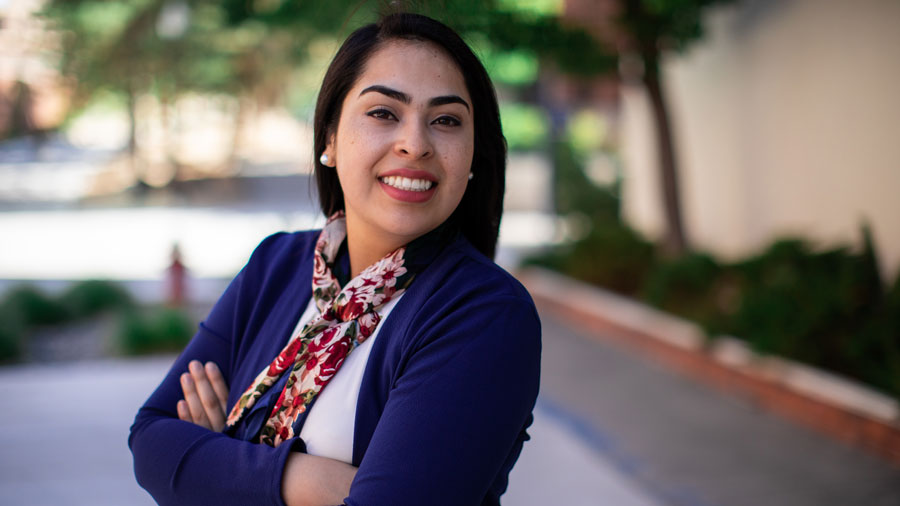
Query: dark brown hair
<point x="478" y="214"/>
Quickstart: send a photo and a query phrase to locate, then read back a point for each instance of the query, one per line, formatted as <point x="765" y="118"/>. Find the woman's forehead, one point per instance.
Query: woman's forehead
<point x="419" y="68"/>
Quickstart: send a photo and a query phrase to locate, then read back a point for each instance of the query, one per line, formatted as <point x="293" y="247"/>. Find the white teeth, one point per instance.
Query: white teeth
<point x="405" y="183"/>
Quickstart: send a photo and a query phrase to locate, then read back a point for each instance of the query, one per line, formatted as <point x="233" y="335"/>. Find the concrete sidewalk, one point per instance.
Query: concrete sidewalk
<point x="64" y="442"/>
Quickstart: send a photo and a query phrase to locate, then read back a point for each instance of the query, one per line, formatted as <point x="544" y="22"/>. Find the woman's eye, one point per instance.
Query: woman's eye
<point x="447" y="121"/>
<point x="381" y="114"/>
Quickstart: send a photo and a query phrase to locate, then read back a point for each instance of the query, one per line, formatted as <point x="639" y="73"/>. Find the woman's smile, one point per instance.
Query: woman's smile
<point x="408" y="185"/>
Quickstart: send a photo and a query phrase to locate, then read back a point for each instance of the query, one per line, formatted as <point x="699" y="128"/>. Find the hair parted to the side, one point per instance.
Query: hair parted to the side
<point x="479" y="211"/>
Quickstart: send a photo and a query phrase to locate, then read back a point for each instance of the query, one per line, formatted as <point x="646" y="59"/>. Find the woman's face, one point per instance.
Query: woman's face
<point x="404" y="143"/>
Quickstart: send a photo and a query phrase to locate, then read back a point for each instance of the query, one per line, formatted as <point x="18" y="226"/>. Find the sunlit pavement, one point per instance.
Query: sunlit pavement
<point x="64" y="442"/>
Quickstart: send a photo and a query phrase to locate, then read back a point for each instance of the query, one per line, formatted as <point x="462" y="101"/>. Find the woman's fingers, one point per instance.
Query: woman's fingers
<point x="192" y="398"/>
<point x="209" y="399"/>
<point x="218" y="384"/>
<point x="183" y="412"/>
<point x="205" y="396"/>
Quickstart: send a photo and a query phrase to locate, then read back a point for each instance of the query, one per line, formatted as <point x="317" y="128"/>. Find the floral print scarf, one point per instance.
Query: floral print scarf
<point x="347" y="317"/>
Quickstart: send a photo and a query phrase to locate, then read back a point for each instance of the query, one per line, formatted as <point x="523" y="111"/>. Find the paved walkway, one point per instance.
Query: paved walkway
<point x="610" y="429"/>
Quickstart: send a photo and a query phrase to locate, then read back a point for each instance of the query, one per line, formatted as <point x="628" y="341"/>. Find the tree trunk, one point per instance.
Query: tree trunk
<point x="675" y="241"/>
<point x="232" y="164"/>
<point x="132" y="133"/>
<point x="646" y="29"/>
<point x="166" y="102"/>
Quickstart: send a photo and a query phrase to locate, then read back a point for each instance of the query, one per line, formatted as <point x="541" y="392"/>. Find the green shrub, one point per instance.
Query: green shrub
<point x="610" y="255"/>
<point x="827" y="308"/>
<point x="876" y="351"/>
<point x="614" y="256"/>
<point x="695" y="287"/>
<point x="159" y="330"/>
<point x="12" y="334"/>
<point x="792" y="294"/>
<point x="33" y="307"/>
<point x="88" y="298"/>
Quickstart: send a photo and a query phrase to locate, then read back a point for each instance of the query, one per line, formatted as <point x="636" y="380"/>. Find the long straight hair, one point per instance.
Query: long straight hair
<point x="478" y="214"/>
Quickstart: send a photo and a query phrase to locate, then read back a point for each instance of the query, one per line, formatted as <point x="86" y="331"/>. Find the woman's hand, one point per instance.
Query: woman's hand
<point x="205" y="396"/>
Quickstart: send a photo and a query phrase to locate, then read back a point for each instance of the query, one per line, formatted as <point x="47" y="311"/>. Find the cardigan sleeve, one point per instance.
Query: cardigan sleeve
<point x="455" y="417"/>
<point x="182" y="463"/>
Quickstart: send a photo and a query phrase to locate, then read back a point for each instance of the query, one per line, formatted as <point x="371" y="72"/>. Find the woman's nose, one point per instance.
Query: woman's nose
<point x="414" y="141"/>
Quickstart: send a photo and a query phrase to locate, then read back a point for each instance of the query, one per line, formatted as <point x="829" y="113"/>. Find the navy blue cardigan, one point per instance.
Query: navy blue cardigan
<point x="446" y="396"/>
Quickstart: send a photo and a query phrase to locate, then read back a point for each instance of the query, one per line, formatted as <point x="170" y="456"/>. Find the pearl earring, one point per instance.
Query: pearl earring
<point x="471" y="175"/>
<point x="324" y="159"/>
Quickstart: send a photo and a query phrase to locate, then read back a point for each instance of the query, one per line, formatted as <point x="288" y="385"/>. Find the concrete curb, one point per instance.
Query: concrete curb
<point x="825" y="402"/>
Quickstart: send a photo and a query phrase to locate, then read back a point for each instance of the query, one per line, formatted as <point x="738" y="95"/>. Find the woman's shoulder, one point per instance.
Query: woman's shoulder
<point x="465" y="287"/>
<point x="467" y="271"/>
<point x="466" y="301"/>
<point x="284" y="247"/>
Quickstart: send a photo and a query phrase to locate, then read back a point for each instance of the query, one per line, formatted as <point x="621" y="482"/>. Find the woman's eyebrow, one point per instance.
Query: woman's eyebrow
<point x="390" y="92"/>
<point x="406" y="99"/>
<point x="448" y="99"/>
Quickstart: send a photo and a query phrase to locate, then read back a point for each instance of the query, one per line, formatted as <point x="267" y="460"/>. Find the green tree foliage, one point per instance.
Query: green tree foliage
<point x="169" y="48"/>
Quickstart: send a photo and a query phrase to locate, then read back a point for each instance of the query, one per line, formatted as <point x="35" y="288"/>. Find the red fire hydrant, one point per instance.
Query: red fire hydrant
<point x="176" y="277"/>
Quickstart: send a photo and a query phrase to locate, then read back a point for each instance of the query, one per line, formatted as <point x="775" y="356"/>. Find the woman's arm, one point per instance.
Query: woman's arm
<point x="455" y="417"/>
<point x="182" y="463"/>
<point x="308" y="480"/>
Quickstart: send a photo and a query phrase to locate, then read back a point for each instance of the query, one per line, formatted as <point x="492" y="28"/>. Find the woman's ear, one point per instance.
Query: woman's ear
<point x="330" y="152"/>
<point x="327" y="158"/>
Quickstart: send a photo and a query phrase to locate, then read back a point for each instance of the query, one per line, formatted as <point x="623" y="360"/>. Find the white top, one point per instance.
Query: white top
<point x="328" y="430"/>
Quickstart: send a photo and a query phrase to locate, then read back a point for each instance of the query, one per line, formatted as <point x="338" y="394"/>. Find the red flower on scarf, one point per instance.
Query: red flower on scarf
<point x="335" y="357"/>
<point x="367" y="324"/>
<point x="284" y="432"/>
<point x="318" y="343"/>
<point x="285" y="359"/>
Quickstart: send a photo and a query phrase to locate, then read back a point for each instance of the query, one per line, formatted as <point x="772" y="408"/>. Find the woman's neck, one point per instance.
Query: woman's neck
<point x="365" y="249"/>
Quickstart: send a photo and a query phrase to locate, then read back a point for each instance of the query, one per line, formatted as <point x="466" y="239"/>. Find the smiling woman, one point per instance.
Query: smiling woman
<point x="384" y="359"/>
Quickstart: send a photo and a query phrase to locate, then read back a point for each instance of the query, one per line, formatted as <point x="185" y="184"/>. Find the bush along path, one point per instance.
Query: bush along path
<point x="830" y="309"/>
<point x="90" y="319"/>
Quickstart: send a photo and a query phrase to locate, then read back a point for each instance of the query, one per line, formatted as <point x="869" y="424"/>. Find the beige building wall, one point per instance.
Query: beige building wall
<point x="786" y="121"/>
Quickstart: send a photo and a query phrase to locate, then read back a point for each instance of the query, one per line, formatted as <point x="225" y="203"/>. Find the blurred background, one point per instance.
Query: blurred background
<point x="733" y="164"/>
